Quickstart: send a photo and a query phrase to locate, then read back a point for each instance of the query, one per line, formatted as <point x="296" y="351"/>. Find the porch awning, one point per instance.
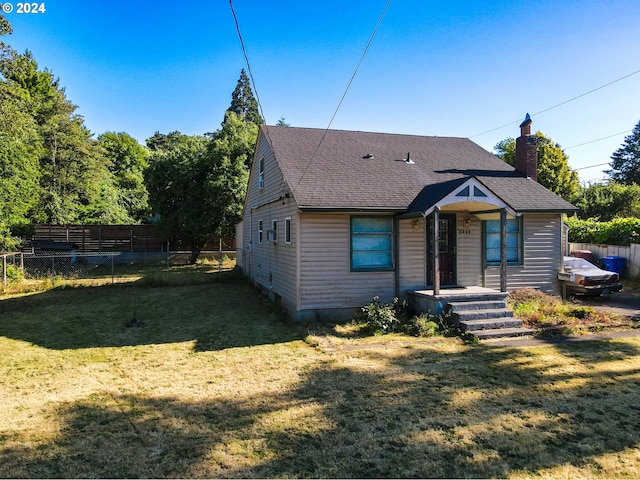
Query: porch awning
<point x="468" y="194"/>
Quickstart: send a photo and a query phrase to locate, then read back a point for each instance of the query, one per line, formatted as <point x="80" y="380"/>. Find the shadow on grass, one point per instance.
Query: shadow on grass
<point x="479" y="412"/>
<point x="217" y="311"/>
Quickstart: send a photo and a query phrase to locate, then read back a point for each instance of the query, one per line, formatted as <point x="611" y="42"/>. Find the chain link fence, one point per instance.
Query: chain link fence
<point x="77" y="265"/>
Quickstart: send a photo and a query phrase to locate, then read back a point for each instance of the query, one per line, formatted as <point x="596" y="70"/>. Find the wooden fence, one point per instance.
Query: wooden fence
<point x="631" y="255"/>
<point x="113" y="238"/>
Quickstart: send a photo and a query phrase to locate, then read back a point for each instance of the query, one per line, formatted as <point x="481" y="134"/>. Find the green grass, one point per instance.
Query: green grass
<point x="214" y="384"/>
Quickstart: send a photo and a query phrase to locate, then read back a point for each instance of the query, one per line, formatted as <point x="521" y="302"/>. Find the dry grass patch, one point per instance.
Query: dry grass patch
<point x="214" y="384"/>
<point x="550" y="314"/>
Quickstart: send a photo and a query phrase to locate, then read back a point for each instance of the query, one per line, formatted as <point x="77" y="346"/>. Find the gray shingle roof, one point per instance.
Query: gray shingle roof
<point x="339" y="177"/>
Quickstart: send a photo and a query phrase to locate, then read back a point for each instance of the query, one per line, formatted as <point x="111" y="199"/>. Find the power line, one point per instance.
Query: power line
<point x="559" y="104"/>
<point x="592" y="166"/>
<point x="246" y="58"/>
<point x="596" y="140"/>
<point x="355" y="72"/>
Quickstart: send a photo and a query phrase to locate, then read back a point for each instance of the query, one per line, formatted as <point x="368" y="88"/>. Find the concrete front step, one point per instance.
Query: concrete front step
<point x="490" y="324"/>
<point x="477" y="305"/>
<point x="501" y="333"/>
<point x="464" y="316"/>
<point x="486" y="318"/>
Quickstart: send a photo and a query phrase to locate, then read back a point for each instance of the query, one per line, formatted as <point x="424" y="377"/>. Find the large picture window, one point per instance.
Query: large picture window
<point x="514" y="242"/>
<point x="371" y="243"/>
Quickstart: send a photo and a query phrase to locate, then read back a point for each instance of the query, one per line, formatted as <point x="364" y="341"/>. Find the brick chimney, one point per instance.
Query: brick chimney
<point x="527" y="150"/>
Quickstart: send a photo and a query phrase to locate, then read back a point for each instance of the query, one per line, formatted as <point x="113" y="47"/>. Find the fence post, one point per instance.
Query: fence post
<point x="113" y="280"/>
<point x="167" y="253"/>
<point x="4" y="270"/>
<point x="22" y="263"/>
<point x="53" y="267"/>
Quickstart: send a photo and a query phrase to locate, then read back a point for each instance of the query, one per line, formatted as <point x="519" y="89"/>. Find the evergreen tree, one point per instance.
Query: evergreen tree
<point x="553" y="165"/>
<point x="243" y="103"/>
<point x="625" y="167"/>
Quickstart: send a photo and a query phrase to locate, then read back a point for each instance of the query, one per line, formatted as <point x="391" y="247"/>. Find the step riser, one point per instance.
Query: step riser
<point x="474" y="306"/>
<point x="459" y="317"/>
<point x="490" y="325"/>
<point x="502" y="333"/>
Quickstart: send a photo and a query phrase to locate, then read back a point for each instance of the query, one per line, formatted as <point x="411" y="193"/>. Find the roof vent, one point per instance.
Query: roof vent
<point x="368" y="155"/>
<point x="408" y="160"/>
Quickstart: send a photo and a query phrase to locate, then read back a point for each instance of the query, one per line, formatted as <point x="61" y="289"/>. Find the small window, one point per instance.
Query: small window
<point x="513" y="240"/>
<point x="261" y="176"/>
<point x="287" y="230"/>
<point x="274" y="230"/>
<point x="371" y="243"/>
<point x="260" y="231"/>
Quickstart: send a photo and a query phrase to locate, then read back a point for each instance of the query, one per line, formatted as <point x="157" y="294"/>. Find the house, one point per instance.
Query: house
<point x="332" y="218"/>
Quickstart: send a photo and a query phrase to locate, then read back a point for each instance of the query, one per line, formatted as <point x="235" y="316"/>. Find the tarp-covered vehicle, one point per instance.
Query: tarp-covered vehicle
<point x="583" y="278"/>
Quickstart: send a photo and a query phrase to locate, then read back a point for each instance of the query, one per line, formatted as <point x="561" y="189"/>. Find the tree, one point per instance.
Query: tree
<point x="553" y="165"/>
<point x="127" y="161"/>
<point x="625" y="167"/>
<point x="230" y="154"/>
<point x="178" y="189"/>
<point x="606" y="201"/>
<point x="243" y="103"/>
<point x="282" y="122"/>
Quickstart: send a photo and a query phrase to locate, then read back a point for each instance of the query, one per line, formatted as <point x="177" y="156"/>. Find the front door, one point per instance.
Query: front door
<point x="447" y="246"/>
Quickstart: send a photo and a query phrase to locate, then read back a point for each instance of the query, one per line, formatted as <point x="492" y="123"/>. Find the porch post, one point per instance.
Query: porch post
<point x="503" y="250"/>
<point x="436" y="251"/>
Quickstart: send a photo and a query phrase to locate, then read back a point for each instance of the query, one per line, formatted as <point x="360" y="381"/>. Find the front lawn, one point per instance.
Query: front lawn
<point x="210" y="382"/>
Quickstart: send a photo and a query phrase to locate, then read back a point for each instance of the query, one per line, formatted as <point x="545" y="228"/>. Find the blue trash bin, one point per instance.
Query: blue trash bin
<point x="614" y="264"/>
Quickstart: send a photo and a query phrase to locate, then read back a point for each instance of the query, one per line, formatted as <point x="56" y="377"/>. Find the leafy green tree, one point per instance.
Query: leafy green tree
<point x="606" y="201"/>
<point x="229" y="155"/>
<point x="178" y="192"/>
<point x="243" y="103"/>
<point x="127" y="161"/>
<point x="282" y="122"/>
<point x="625" y="167"/>
<point x="553" y="165"/>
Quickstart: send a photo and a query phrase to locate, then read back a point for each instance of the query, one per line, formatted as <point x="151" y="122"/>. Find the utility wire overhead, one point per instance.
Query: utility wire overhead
<point x="559" y="104"/>
<point x="246" y="58"/>
<point x="596" y="140"/>
<point x="355" y="72"/>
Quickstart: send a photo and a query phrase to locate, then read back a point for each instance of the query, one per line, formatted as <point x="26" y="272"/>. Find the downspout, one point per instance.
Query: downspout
<point x="436" y="251"/>
<point x="503" y="249"/>
<point x="396" y="254"/>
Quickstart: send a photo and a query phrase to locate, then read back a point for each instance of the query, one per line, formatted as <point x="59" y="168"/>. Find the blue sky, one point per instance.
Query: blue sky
<point x="453" y="68"/>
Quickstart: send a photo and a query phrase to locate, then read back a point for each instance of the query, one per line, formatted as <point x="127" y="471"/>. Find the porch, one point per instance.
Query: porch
<point x="481" y="312"/>
<point x="434" y="303"/>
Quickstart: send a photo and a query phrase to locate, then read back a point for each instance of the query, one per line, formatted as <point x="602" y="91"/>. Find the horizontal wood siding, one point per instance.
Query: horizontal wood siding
<point x="542" y="256"/>
<point x="270" y="265"/>
<point x="469" y="251"/>
<point x="325" y="279"/>
<point x="412" y="263"/>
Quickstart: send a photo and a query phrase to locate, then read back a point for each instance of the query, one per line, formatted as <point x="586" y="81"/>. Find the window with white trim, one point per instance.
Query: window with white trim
<point x="274" y="230"/>
<point x="260" y="231"/>
<point x="371" y="243"/>
<point x="261" y="174"/>
<point x="514" y="240"/>
<point x="287" y="230"/>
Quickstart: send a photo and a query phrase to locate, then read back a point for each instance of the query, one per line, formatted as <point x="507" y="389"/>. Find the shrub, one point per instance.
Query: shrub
<point x="378" y="317"/>
<point x="14" y="274"/>
<point x="619" y="231"/>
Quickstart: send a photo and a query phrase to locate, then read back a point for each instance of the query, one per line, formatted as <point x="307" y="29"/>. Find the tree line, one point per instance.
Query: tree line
<point x="52" y="169"/>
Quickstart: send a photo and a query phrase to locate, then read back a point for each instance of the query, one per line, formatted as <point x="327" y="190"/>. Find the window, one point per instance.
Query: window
<point x="260" y="231"/>
<point x="514" y="241"/>
<point x="287" y="230"/>
<point x="274" y="231"/>
<point x="371" y="243"/>
<point x="261" y="176"/>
